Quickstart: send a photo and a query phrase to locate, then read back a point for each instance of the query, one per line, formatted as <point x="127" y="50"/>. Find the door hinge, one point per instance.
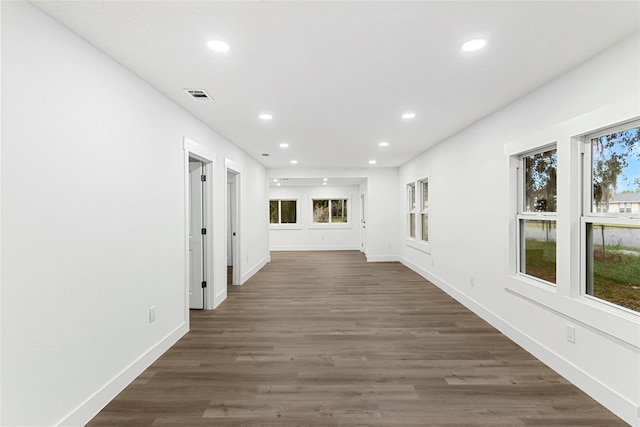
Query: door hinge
<point x="204" y="284"/>
<point x="203" y="231"/>
<point x="203" y="178"/>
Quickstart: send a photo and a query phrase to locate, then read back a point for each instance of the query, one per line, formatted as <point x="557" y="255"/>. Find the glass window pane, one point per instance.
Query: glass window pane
<point x="425" y="195"/>
<point x="320" y="211"/>
<point x="273" y="212"/>
<point x="425" y="227"/>
<point x="615" y="170"/>
<point x="288" y="211"/>
<point x="411" y="190"/>
<point x="540" y="182"/>
<point x="538" y="249"/>
<point x="338" y="211"/>
<point x="613" y="264"/>
<point x="412" y="225"/>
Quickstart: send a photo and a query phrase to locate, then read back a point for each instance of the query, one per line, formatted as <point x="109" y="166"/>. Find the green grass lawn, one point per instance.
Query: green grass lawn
<point x="616" y="276"/>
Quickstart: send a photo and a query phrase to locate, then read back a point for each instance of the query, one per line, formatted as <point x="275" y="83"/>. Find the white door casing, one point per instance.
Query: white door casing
<point x="196" y="238"/>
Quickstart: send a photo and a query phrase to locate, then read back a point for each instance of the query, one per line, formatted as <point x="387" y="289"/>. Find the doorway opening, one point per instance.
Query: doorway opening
<point x="198" y="170"/>
<point x="197" y="234"/>
<point x="233" y="223"/>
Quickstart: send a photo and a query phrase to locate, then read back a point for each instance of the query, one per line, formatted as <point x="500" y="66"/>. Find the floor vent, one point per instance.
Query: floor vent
<point x="199" y="94"/>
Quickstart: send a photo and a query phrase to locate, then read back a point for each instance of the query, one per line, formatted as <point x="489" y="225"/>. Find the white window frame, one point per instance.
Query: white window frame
<point x="522" y="215"/>
<point x="595" y="218"/>
<point x="324" y="225"/>
<point x="412" y="203"/>
<point x="423" y="210"/>
<point x="565" y="298"/>
<point x="416" y="210"/>
<point x="285" y="226"/>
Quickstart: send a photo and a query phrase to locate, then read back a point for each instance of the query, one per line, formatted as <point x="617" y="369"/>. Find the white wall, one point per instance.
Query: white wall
<point x="93" y="222"/>
<point x="308" y="236"/>
<point x="382" y="212"/>
<point x="471" y="220"/>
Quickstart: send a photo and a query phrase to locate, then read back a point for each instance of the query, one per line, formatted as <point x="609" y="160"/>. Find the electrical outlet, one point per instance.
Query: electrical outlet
<point x="390" y="246"/>
<point x="152" y="314"/>
<point x="472" y="281"/>
<point x="571" y="333"/>
<point x="433" y="262"/>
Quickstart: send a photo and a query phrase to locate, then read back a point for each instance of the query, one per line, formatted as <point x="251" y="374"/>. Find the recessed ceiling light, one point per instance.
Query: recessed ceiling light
<point x="384" y="144"/>
<point x="218" y="46"/>
<point x="325" y="179"/>
<point x="294" y="162"/>
<point x="278" y="184"/>
<point x="265" y="116"/>
<point x="473" y="45"/>
<point x="324" y="183"/>
<point x="284" y="145"/>
<point x="408" y="115"/>
<point x="372" y="162"/>
<point x="275" y="179"/>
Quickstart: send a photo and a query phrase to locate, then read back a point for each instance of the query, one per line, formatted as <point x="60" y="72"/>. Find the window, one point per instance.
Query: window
<point x="330" y="211"/>
<point x="282" y="211"/>
<point x="417" y="214"/>
<point x="537" y="215"/>
<point x="611" y="234"/>
<point x="424" y="209"/>
<point x="411" y="198"/>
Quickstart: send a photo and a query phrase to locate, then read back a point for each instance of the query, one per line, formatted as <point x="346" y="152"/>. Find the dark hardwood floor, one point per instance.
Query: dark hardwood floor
<point x="326" y="339"/>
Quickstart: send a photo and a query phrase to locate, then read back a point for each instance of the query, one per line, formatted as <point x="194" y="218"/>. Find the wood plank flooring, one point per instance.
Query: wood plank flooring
<point x="326" y="339"/>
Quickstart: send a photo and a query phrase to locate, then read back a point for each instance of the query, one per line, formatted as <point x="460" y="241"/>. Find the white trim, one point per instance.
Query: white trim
<point x="208" y="157"/>
<point x="622" y="407"/>
<point x="419" y="245"/>
<point x="94" y="404"/>
<point x="285" y="227"/>
<point x="255" y="269"/>
<point x="382" y="258"/>
<point x="315" y="248"/>
<point x="235" y="168"/>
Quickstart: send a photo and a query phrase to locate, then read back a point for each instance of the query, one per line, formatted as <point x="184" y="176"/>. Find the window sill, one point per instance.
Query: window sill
<point x="610" y="320"/>
<point x="285" y="227"/>
<point x="419" y="245"/>
<point x="329" y="226"/>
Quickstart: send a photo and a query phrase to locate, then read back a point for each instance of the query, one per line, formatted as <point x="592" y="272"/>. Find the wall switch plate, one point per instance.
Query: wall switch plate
<point x="472" y="281"/>
<point x="152" y="314"/>
<point x="571" y="333"/>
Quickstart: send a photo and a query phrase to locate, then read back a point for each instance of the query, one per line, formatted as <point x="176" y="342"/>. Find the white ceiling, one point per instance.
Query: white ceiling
<point x="338" y="75"/>
<point x="315" y="182"/>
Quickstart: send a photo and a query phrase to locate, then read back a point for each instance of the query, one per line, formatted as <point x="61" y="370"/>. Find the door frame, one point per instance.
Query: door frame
<point x="363" y="216"/>
<point x="199" y="152"/>
<point x="236" y="258"/>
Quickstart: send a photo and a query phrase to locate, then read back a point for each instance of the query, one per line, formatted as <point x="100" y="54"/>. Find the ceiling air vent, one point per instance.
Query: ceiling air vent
<point x="199" y="94"/>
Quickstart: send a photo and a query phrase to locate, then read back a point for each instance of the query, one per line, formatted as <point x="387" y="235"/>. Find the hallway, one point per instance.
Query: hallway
<point x="327" y="339"/>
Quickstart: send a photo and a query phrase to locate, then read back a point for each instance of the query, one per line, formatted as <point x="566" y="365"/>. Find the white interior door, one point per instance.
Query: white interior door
<point x="196" y="237"/>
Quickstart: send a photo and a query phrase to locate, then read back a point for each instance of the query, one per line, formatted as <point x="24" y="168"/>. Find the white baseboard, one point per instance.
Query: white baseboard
<point x="219" y="299"/>
<point x="94" y="404"/>
<point x="382" y="258"/>
<point x="254" y="269"/>
<point x="315" y="248"/>
<point x="619" y="405"/>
